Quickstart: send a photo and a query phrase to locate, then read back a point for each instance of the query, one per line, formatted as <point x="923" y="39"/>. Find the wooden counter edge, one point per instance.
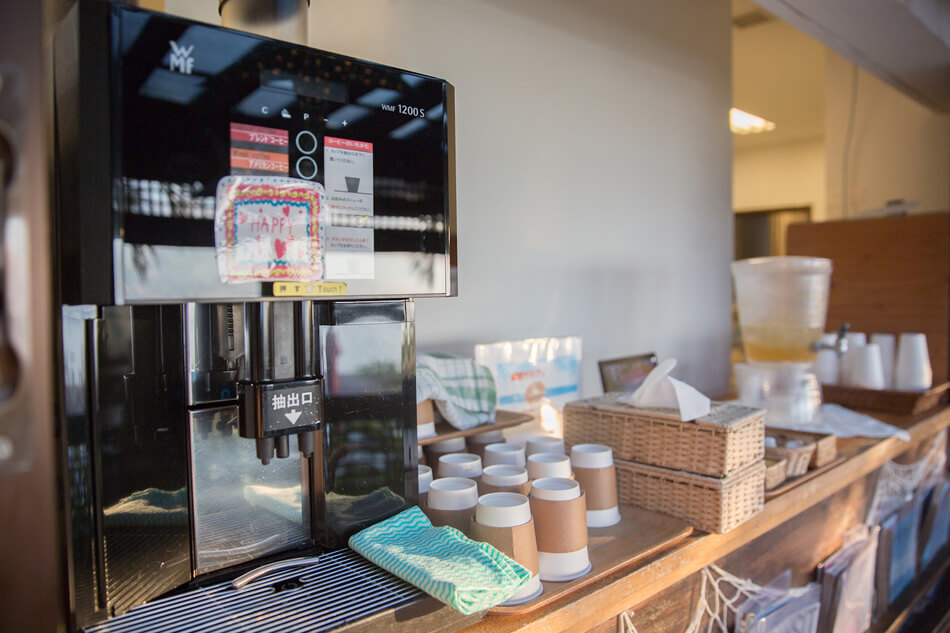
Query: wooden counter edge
<point x="605" y="600"/>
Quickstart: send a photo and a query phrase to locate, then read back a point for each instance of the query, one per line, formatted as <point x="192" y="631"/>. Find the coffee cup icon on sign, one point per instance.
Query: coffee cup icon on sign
<point x="352" y="184"/>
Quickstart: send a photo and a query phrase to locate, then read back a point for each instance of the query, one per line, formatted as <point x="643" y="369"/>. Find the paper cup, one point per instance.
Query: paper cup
<point x="548" y="465"/>
<point x="867" y="370"/>
<point x="460" y="465"/>
<point x="594" y="471"/>
<point x="543" y="444"/>
<point x="502" y="510"/>
<point x="504" y="478"/>
<point x="855" y="340"/>
<point x="426" y="430"/>
<point x="425" y="478"/>
<point x="453" y="493"/>
<point x="887" y="344"/>
<point x="477" y="443"/>
<point x="827" y="362"/>
<point x="436" y="450"/>
<point x="511" y="454"/>
<point x="559" y="510"/>
<point x="913" y="371"/>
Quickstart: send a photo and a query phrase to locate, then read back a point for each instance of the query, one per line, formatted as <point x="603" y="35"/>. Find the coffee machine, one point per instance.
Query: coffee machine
<point x="241" y="227"/>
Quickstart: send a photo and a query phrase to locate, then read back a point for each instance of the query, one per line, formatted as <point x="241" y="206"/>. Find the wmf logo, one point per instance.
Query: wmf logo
<point x="181" y="60"/>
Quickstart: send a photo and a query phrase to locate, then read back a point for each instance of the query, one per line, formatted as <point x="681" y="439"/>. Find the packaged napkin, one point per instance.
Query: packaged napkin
<point x="661" y="391"/>
<point x="466" y="575"/>
<point x="463" y="390"/>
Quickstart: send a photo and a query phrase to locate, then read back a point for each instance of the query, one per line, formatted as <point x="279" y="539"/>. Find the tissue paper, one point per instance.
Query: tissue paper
<point x="661" y="391"/>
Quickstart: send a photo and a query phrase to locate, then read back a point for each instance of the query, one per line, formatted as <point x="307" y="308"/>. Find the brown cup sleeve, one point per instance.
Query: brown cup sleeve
<point x="521" y="489"/>
<point x="423" y="498"/>
<point x="461" y="520"/>
<point x="518" y="543"/>
<point x="425" y="412"/>
<point x="600" y="485"/>
<point x="560" y="526"/>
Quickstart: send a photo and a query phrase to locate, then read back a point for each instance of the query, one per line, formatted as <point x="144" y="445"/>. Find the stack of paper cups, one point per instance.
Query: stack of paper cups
<point x="503" y="520"/>
<point x="425" y="478"/>
<point x="867" y="370"/>
<point x="544" y="444"/>
<point x="446" y="447"/>
<point x="549" y="465"/>
<point x="886" y="344"/>
<point x="855" y="340"/>
<point x="504" y="478"/>
<point x="510" y="454"/>
<point x="477" y="443"/>
<point x="425" y="419"/>
<point x="460" y="465"/>
<point x="452" y="502"/>
<point x="827" y="365"/>
<point x="560" y="515"/>
<point x="913" y="371"/>
<point x="595" y="472"/>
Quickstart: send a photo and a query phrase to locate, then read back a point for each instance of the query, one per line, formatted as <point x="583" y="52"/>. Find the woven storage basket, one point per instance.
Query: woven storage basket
<point x="775" y="473"/>
<point x="718" y="444"/>
<point x="709" y="503"/>
<point x="826" y="446"/>
<point x="798" y="458"/>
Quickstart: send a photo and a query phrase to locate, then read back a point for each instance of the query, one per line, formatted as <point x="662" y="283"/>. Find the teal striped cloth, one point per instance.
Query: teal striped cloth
<point x="464" y="574"/>
<point x="463" y="390"/>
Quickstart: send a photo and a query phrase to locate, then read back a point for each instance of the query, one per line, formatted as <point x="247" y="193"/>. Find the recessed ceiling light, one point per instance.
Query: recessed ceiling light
<point x="741" y="122"/>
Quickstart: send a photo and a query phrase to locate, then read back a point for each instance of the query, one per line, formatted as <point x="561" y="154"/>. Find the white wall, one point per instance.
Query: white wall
<point x="780" y="176"/>
<point x="898" y="149"/>
<point x="593" y="168"/>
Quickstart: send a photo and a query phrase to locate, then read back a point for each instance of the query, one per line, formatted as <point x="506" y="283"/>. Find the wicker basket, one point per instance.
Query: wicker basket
<point x="886" y="400"/>
<point x="826" y="446"/>
<point x="709" y="503"/>
<point x="775" y="473"/>
<point x="798" y="457"/>
<point x="718" y="444"/>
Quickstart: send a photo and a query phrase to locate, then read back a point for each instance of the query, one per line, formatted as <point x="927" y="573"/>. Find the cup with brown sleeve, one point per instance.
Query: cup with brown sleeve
<point x="451" y="501"/>
<point x="560" y="525"/>
<point x="425" y="419"/>
<point x="425" y="478"/>
<point x="460" y="465"/>
<point x="477" y="443"/>
<point x="504" y="478"/>
<point x="435" y="450"/>
<point x="594" y="470"/>
<point x="503" y="520"/>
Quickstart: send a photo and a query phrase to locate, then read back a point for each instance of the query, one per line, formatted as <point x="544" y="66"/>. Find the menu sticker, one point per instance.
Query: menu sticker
<point x="348" y="176"/>
<point x="269" y="228"/>
<point x="257" y="150"/>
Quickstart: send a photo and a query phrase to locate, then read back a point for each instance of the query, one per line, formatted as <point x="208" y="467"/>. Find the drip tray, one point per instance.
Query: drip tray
<point x="341" y="588"/>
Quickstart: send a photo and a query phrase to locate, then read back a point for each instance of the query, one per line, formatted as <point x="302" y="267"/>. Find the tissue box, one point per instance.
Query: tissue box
<point x="709" y="503"/>
<point x="718" y="444"/>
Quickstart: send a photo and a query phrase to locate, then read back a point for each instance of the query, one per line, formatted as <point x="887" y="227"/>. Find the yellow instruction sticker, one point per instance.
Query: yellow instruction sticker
<point x="303" y="289"/>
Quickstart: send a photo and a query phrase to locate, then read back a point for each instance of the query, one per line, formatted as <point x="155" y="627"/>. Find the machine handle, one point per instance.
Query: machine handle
<point x="253" y="575"/>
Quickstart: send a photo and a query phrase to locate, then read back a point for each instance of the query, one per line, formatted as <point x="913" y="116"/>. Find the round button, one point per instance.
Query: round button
<point x="306" y="142"/>
<point x="306" y="168"/>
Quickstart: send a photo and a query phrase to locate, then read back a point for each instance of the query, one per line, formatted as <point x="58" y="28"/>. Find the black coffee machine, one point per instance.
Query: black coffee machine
<point x="241" y="225"/>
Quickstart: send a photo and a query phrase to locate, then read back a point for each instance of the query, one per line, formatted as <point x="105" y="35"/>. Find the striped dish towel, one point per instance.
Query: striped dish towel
<point x="463" y="390"/>
<point x="466" y="575"/>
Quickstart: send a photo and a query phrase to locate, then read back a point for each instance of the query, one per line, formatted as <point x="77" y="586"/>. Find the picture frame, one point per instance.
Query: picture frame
<point x="626" y="373"/>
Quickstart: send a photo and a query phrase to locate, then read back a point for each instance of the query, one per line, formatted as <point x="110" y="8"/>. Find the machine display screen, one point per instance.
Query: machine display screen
<point x="197" y="104"/>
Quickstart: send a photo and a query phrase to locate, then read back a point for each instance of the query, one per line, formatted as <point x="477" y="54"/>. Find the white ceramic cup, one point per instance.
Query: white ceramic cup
<point x="543" y="444"/>
<point x="425" y="478"/>
<point x="912" y="371"/>
<point x="502" y="510"/>
<point x="887" y="344"/>
<point x="827" y="365"/>
<point x="549" y="465"/>
<point x="460" y="465"/>
<point x="511" y="454"/>
<point x="867" y="370"/>
<point x="855" y="340"/>
<point x="596" y="456"/>
<point x="504" y="475"/>
<point x="555" y="489"/>
<point x="453" y="493"/>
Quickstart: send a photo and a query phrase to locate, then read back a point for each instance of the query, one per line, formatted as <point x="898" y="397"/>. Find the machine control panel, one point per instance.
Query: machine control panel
<point x="270" y="412"/>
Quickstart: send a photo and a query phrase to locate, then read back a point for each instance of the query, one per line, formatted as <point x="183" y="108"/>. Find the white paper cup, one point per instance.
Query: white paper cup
<point x="453" y="493"/>
<point x="555" y="489"/>
<point x="855" y="340"/>
<point x="591" y="456"/>
<point x="543" y="444"/>
<point x="488" y="437"/>
<point x="529" y="592"/>
<point x="502" y="510"/>
<point x="453" y="445"/>
<point x="913" y="371"/>
<point x="504" y="475"/>
<point x="425" y="478"/>
<point x="827" y="362"/>
<point x="460" y="465"/>
<point x="867" y="370"/>
<point x="511" y="454"/>
<point x="887" y="344"/>
<point x="426" y="430"/>
<point x="549" y="465"/>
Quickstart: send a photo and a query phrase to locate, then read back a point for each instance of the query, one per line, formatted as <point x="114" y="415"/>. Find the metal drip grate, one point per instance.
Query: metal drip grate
<point x="341" y="588"/>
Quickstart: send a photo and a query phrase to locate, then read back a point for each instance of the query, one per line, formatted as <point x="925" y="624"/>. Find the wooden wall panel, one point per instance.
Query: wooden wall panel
<point x="890" y="275"/>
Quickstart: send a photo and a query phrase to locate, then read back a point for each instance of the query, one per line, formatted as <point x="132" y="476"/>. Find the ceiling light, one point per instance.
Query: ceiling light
<point x="741" y="122"/>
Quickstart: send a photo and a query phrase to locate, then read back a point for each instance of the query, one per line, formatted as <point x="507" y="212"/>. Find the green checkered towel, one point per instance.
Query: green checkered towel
<point x="464" y="574"/>
<point x="463" y="390"/>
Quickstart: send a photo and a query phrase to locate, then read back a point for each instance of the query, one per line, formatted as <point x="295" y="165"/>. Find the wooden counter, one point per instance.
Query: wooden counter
<point x="795" y="530"/>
